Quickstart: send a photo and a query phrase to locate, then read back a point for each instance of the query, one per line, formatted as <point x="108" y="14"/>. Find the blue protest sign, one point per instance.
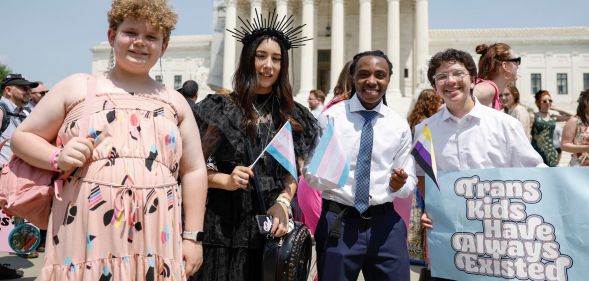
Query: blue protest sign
<point x="510" y="224"/>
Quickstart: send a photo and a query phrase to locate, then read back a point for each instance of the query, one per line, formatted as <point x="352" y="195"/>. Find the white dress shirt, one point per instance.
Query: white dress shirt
<point x="483" y="138"/>
<point x="391" y="149"/>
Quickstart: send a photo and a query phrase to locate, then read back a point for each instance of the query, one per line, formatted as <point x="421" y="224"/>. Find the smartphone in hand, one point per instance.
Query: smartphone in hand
<point x="264" y="223"/>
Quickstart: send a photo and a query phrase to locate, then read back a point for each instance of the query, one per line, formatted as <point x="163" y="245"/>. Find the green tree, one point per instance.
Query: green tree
<point x="4" y="71"/>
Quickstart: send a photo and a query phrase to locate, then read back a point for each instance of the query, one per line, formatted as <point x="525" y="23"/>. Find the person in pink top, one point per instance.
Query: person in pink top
<point x="498" y="66"/>
<point x="122" y="214"/>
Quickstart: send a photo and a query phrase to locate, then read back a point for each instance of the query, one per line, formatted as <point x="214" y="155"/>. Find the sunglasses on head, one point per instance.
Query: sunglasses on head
<point x="517" y="60"/>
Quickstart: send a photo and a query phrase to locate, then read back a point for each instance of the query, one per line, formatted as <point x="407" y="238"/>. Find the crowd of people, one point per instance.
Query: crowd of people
<point x="161" y="187"/>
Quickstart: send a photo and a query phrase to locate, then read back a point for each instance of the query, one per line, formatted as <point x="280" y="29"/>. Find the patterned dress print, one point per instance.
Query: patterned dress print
<point x="542" y="133"/>
<point x="120" y="215"/>
<point x="582" y="138"/>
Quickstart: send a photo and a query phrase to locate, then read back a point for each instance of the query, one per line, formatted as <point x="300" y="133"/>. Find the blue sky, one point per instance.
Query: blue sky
<point x="51" y="39"/>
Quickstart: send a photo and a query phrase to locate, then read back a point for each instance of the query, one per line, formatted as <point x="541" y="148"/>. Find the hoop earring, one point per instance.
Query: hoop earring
<point x="111" y="59"/>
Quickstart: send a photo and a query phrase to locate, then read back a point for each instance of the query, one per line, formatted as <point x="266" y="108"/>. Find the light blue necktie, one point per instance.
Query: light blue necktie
<point x="361" y="202"/>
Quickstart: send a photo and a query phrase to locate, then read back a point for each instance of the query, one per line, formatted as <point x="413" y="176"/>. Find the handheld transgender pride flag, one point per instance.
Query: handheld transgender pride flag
<point x="281" y="147"/>
<point x="423" y="152"/>
<point x="329" y="161"/>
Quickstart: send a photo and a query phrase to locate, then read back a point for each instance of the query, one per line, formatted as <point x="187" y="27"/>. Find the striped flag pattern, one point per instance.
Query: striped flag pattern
<point x="329" y="161"/>
<point x="423" y="152"/>
<point x="281" y="147"/>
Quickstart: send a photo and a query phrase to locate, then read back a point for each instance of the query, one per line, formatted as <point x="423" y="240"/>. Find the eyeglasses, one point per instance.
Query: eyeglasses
<point x="442" y="78"/>
<point x="546" y="101"/>
<point x="517" y="60"/>
<point x="42" y="93"/>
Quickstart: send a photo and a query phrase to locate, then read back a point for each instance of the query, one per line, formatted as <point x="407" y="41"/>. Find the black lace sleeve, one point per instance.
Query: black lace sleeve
<point x="305" y="140"/>
<point x="219" y="122"/>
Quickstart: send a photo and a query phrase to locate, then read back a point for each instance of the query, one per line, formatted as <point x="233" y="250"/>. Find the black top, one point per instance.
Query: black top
<point x="230" y="215"/>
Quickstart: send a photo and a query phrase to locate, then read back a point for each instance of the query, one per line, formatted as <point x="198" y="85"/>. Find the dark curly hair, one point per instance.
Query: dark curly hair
<point x="375" y="53"/>
<point x="427" y="104"/>
<point x="452" y="55"/>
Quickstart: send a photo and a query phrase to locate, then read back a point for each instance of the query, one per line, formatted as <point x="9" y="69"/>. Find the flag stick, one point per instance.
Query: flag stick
<point x="264" y="150"/>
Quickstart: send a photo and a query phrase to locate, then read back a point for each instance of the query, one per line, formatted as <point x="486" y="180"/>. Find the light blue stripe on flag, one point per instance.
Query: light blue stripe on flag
<point x="344" y="177"/>
<point x="321" y="148"/>
<point x="281" y="158"/>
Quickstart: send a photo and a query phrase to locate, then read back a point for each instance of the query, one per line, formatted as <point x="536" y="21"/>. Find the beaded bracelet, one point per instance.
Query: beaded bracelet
<point x="282" y="201"/>
<point x="285" y="202"/>
<point x="53" y="160"/>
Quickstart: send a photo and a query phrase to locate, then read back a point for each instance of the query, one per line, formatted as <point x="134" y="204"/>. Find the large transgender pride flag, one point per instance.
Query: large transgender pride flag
<point x="329" y="161"/>
<point x="281" y="147"/>
<point x="423" y="152"/>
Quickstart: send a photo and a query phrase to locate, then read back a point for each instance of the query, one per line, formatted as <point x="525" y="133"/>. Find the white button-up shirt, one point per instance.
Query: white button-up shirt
<point x="483" y="138"/>
<point x="391" y="149"/>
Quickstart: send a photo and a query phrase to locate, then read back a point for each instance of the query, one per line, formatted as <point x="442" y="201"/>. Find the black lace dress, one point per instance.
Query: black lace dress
<point x="232" y="245"/>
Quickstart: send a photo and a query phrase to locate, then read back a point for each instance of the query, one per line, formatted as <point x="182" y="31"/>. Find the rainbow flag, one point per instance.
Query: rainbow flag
<point x="423" y="152"/>
<point x="329" y="161"/>
<point x="281" y="147"/>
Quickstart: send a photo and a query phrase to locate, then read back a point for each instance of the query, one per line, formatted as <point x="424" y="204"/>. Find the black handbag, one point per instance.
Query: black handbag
<point x="286" y="258"/>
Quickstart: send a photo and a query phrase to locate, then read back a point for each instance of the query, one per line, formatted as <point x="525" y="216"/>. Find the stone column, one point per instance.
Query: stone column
<point x="281" y="8"/>
<point x="421" y="47"/>
<point x="255" y="5"/>
<point x="229" y="45"/>
<point x="394" y="47"/>
<point x="337" y="41"/>
<point x="308" y="50"/>
<point x="365" y="30"/>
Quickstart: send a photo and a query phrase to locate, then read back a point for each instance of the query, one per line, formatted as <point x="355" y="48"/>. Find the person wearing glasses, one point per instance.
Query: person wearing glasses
<point x="37" y="94"/>
<point x="510" y="100"/>
<point x="498" y="66"/>
<point x="467" y="135"/>
<point x="544" y="125"/>
<point x="16" y="94"/>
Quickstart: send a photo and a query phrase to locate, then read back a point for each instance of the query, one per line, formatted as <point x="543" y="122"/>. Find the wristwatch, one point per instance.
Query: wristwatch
<point x="196" y="236"/>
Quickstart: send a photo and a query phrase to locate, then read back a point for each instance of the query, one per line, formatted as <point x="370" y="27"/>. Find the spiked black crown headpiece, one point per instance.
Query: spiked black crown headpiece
<point x="260" y="26"/>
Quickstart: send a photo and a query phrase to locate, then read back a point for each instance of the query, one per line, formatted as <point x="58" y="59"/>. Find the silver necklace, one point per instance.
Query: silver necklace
<point x="261" y="106"/>
<point x="267" y="125"/>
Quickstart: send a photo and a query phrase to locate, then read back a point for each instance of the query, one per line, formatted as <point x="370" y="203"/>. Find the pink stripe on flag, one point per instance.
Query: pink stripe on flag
<point x="331" y="165"/>
<point x="282" y="144"/>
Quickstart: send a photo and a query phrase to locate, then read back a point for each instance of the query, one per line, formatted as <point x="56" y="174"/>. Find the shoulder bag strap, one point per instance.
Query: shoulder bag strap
<point x="84" y="122"/>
